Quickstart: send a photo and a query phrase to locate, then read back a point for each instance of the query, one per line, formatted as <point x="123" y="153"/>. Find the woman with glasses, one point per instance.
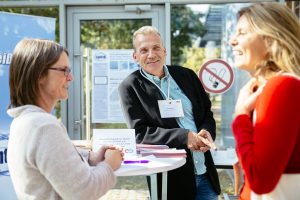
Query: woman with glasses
<point x="43" y="162"/>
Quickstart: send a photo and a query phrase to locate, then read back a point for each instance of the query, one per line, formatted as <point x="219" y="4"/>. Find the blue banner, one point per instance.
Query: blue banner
<point x="14" y="27"/>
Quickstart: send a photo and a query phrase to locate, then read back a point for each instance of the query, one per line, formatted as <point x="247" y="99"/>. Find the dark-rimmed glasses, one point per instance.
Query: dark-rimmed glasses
<point x="66" y="70"/>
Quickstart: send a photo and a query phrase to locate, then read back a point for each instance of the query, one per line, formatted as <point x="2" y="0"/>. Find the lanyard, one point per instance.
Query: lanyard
<point x="166" y="96"/>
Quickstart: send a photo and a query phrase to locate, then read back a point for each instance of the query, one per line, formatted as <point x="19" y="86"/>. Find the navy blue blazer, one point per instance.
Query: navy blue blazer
<point x="140" y="108"/>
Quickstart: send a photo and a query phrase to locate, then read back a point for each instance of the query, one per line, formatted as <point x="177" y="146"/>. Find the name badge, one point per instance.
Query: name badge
<point x="170" y="108"/>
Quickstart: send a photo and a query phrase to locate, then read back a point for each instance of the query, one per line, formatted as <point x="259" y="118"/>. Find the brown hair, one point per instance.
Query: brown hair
<point x="280" y="28"/>
<point x="30" y="62"/>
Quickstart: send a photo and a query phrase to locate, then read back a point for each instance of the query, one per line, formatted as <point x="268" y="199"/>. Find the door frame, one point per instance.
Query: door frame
<point x="74" y="16"/>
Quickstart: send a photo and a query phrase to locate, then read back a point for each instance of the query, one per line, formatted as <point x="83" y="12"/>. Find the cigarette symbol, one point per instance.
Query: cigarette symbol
<point x="213" y="79"/>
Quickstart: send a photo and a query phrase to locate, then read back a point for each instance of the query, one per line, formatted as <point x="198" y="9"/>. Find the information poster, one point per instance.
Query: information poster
<point x="14" y="27"/>
<point x="109" y="68"/>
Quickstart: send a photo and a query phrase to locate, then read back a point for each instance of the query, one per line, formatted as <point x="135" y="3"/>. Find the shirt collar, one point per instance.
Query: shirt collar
<point x="156" y="78"/>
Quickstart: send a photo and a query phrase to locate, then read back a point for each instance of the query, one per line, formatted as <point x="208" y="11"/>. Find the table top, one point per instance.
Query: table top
<point x="155" y="165"/>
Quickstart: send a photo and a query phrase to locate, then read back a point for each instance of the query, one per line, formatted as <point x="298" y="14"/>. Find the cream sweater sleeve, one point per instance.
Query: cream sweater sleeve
<point x="62" y="165"/>
<point x="84" y="153"/>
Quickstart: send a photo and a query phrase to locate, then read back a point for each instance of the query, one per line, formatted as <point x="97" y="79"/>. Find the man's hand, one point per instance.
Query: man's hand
<point x="207" y="140"/>
<point x="193" y="141"/>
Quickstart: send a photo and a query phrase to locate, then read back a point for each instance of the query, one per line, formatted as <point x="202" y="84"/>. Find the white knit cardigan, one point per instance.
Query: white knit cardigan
<point x="44" y="164"/>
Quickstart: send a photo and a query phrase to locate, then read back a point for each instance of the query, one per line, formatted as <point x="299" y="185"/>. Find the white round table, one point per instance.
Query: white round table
<point x="155" y="165"/>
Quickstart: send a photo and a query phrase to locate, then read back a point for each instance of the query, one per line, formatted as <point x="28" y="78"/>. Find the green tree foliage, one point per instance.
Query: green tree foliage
<point x="185" y="28"/>
<point x="194" y="57"/>
<point x="110" y="34"/>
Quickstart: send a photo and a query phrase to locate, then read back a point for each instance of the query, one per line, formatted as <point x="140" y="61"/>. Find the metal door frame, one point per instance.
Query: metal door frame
<point x="74" y="16"/>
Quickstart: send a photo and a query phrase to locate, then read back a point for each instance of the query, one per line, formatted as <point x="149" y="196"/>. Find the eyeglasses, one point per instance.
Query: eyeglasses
<point x="66" y="70"/>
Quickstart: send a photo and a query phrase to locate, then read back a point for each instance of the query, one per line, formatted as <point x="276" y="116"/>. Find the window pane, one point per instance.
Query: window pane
<point x="200" y="32"/>
<point x="104" y="34"/>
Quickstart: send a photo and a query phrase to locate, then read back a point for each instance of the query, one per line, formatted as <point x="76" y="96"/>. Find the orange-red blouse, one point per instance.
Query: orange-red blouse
<point x="269" y="145"/>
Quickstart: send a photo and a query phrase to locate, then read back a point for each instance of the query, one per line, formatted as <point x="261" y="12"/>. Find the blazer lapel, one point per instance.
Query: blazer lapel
<point x="150" y="89"/>
<point x="181" y="81"/>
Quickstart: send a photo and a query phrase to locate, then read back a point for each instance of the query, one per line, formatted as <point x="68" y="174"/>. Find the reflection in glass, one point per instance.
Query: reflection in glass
<point x="110" y="34"/>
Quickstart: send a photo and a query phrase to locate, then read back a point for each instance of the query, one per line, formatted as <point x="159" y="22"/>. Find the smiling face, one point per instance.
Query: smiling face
<point x="150" y="53"/>
<point x="54" y="86"/>
<point x="249" y="48"/>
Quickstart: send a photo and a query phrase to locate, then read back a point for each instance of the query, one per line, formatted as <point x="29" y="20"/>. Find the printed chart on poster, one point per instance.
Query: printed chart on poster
<point x="109" y="68"/>
<point x="216" y="76"/>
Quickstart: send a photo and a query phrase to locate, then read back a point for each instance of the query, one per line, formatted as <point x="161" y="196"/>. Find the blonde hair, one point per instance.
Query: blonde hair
<point x="280" y="28"/>
<point x="145" y="30"/>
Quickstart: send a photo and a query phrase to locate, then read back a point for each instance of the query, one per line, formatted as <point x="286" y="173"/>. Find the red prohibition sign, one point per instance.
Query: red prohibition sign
<point x="216" y="76"/>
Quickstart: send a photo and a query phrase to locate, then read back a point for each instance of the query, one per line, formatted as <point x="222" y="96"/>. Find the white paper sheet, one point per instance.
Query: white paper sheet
<point x="124" y="138"/>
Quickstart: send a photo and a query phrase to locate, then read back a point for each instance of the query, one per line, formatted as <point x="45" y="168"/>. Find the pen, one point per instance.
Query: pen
<point x="135" y="161"/>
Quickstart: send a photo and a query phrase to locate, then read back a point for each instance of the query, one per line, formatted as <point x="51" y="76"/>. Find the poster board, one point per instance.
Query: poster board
<point x="109" y="69"/>
<point x="14" y="27"/>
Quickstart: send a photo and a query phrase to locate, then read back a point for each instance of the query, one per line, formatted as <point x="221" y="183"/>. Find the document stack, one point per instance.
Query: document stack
<point x="159" y="151"/>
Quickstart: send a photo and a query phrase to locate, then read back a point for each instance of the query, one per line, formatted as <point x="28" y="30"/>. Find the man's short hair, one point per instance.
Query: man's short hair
<point x="145" y="30"/>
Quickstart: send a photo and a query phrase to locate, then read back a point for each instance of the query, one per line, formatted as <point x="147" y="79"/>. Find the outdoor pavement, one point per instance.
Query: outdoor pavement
<point x="123" y="194"/>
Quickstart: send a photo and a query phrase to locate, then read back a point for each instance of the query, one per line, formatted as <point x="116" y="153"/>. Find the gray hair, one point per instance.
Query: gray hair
<point x="145" y="30"/>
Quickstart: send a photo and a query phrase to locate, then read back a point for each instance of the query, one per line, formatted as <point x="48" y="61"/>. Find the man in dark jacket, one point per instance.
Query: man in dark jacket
<point x="168" y="105"/>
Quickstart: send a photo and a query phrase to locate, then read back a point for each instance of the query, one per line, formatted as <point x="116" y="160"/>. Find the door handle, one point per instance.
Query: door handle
<point x="77" y="122"/>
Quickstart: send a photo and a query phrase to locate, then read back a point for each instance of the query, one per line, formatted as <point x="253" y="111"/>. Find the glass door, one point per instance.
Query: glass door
<point x="100" y="48"/>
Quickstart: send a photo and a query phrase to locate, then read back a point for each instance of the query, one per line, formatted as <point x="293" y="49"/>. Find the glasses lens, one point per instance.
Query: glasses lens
<point x="67" y="71"/>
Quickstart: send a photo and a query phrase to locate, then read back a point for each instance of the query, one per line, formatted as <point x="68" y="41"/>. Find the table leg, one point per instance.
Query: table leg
<point x="164" y="192"/>
<point x="153" y="180"/>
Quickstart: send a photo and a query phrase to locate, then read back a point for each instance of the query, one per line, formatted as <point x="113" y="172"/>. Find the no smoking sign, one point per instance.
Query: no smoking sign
<point x="216" y="76"/>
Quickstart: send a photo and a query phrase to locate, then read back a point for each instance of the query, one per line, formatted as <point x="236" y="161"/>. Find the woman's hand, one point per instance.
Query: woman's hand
<point x="96" y="157"/>
<point x="114" y="158"/>
<point x="247" y="97"/>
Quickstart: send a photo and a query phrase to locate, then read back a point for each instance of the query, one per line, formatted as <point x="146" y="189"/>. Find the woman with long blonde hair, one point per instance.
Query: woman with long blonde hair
<point x="267" y="122"/>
